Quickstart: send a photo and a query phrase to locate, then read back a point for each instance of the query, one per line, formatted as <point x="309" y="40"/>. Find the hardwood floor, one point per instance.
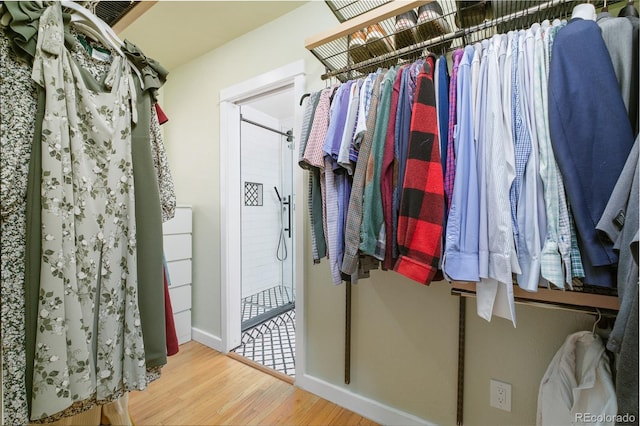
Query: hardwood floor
<point x="200" y="386"/>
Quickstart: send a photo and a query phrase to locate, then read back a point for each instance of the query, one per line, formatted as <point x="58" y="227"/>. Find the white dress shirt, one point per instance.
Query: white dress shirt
<point x="495" y="290"/>
<point x="578" y="385"/>
<point x="531" y="214"/>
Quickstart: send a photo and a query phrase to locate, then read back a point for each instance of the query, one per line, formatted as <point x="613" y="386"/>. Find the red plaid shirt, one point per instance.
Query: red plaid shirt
<point x="422" y="203"/>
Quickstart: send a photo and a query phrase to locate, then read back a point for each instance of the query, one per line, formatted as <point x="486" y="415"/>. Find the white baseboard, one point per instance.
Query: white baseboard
<point x="207" y="339"/>
<point x="366" y="407"/>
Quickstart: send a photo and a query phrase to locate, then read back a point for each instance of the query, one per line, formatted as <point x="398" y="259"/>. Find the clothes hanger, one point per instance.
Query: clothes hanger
<point x="96" y="28"/>
<point x="629" y="10"/>
<point x="85" y="18"/>
<point x="585" y="11"/>
<point x="306" y="95"/>
<point x="595" y="324"/>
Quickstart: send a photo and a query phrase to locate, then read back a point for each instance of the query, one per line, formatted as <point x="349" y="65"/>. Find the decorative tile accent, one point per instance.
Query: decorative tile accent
<point x="252" y="194"/>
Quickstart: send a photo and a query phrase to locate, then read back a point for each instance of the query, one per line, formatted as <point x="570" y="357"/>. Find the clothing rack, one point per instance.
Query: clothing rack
<point x="332" y="48"/>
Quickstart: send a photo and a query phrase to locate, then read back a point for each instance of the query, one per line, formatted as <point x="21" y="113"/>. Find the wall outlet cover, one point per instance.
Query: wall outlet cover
<point x="500" y="395"/>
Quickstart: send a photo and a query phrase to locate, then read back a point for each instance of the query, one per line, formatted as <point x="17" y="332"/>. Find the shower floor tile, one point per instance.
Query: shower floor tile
<point x="266" y="300"/>
<point x="272" y="343"/>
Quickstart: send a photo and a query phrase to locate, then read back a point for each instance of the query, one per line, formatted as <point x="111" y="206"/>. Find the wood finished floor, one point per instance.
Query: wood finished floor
<point x="200" y="386"/>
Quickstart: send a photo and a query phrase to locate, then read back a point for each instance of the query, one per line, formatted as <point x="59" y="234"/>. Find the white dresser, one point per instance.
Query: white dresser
<point x="177" y="251"/>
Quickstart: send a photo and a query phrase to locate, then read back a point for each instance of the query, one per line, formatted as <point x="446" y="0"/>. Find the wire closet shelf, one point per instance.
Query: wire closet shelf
<point x="372" y="35"/>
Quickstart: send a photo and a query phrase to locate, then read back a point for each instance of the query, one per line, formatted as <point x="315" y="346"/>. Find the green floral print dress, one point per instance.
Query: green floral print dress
<point x="89" y="340"/>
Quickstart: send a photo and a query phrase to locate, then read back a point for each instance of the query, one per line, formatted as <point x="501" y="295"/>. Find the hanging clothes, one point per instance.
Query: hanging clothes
<point x="19" y="41"/>
<point x="591" y="136"/>
<point x="335" y="180"/>
<point x="314" y="159"/>
<point x="620" y="223"/>
<point x="318" y="244"/>
<point x="422" y="205"/>
<point x="498" y="258"/>
<point x="577" y="383"/>
<point x="88" y="229"/>
<point x="621" y="38"/>
<point x="355" y="209"/>
<point x="460" y="261"/>
<point x="372" y="228"/>
<point x="403" y="128"/>
<point x="388" y="179"/>
<point x="511" y="214"/>
<point x="18" y="102"/>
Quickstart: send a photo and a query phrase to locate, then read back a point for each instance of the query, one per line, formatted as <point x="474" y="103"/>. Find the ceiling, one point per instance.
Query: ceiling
<point x="175" y="32"/>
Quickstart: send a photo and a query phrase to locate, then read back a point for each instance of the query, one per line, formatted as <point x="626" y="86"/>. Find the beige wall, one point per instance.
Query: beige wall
<point x="405" y="336"/>
<point x="191" y="98"/>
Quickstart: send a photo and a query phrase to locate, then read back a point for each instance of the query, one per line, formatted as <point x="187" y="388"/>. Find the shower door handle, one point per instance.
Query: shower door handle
<point x="288" y="204"/>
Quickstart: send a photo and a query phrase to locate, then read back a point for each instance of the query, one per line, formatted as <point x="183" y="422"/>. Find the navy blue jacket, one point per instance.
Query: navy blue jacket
<point x="591" y="136"/>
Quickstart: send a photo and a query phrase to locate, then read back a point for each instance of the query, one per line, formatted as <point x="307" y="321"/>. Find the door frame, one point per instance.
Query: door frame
<point x="230" y="198"/>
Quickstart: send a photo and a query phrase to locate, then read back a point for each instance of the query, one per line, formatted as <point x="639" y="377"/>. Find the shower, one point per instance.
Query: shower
<point x="281" y="251"/>
<point x="267" y="281"/>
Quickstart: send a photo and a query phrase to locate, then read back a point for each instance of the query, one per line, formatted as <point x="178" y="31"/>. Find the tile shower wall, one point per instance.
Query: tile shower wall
<point x="260" y="157"/>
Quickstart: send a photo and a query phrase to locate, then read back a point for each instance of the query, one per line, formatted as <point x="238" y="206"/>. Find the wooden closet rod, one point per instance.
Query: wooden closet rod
<point x="550" y="298"/>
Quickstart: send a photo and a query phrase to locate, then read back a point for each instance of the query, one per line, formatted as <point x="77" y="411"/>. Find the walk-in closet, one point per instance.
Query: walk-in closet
<point x="400" y="212"/>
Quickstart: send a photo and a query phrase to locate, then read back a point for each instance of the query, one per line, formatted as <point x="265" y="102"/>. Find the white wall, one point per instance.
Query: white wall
<point x="260" y="154"/>
<point x="405" y="338"/>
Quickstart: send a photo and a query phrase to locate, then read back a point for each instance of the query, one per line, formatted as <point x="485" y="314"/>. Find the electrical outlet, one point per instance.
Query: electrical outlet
<point x="500" y="395"/>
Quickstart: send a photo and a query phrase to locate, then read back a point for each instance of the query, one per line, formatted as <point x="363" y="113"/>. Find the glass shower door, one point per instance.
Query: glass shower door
<point x="267" y="218"/>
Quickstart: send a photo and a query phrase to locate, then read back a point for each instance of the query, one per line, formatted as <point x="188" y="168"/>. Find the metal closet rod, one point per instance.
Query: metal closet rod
<point x="443" y="38"/>
<point x="288" y="133"/>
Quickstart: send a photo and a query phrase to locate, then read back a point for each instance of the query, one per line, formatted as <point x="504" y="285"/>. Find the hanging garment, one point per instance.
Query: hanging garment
<point x="577" y="383"/>
<point x="591" y="136"/>
<point x="334" y="177"/>
<point x="314" y="158"/>
<point x="496" y="152"/>
<point x="169" y="323"/>
<point x="401" y="148"/>
<point x="442" y="104"/>
<point x="89" y="339"/>
<point x="372" y="229"/>
<point x="620" y="222"/>
<point x="160" y="163"/>
<point x="450" y="169"/>
<point x="556" y="254"/>
<point x="18" y="102"/>
<point x="17" y="134"/>
<point x="530" y="214"/>
<point x="314" y="203"/>
<point x="422" y="204"/>
<point x="354" y="211"/>
<point x="519" y="113"/>
<point x="460" y="261"/>
<point x="162" y="117"/>
<point x="346" y="142"/>
<point x="621" y="38"/>
<point x="387" y="179"/>
<point x="150" y="167"/>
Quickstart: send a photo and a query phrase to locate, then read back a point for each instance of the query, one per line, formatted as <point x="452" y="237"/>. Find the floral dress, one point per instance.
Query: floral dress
<point x="89" y="340"/>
